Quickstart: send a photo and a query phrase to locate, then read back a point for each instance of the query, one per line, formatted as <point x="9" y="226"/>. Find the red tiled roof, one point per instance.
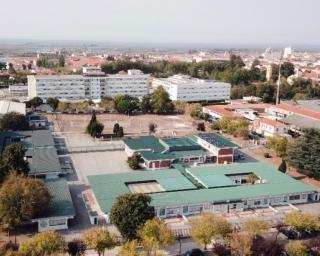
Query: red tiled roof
<point x="298" y="110"/>
<point x="273" y="123"/>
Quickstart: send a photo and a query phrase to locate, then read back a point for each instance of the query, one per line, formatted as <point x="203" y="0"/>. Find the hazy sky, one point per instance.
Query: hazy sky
<point x="172" y="21"/>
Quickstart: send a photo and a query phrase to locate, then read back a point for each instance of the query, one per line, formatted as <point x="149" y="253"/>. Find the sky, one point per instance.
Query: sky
<point x="265" y="22"/>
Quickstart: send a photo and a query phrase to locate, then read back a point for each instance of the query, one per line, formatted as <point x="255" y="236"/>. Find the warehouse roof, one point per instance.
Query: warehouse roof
<point x="144" y="143"/>
<point x="180" y="144"/>
<point x="179" y="189"/>
<point x="61" y="202"/>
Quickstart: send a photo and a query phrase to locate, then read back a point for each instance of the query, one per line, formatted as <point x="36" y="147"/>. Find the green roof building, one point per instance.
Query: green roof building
<point x="216" y="188"/>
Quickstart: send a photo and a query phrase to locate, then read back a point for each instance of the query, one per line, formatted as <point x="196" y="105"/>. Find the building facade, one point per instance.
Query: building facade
<point x="186" y="88"/>
<point x="89" y="86"/>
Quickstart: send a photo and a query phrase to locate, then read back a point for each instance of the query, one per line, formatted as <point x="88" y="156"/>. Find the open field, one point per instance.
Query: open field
<point x="167" y="125"/>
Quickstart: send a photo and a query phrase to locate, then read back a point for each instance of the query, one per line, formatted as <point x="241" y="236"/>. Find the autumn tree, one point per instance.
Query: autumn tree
<point x="278" y="144"/>
<point x="240" y="243"/>
<point x="44" y="244"/>
<point x="22" y="199"/>
<point x="130" y="212"/>
<point x="76" y="247"/>
<point x="209" y="226"/>
<point x="155" y="233"/>
<point x="255" y="227"/>
<point x="130" y="248"/>
<point x="297" y="248"/>
<point x="302" y="221"/>
<point x="99" y="239"/>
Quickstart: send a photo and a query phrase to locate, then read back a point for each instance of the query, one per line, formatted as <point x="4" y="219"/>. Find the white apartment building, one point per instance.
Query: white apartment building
<point x="186" y="88"/>
<point x="91" y="86"/>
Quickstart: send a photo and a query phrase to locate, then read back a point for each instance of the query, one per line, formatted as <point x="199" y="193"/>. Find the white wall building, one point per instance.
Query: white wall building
<point x="88" y="86"/>
<point x="186" y="88"/>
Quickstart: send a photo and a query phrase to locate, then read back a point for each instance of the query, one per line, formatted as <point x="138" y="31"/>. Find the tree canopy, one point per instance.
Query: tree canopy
<point x="35" y="102"/>
<point x="303" y="153"/>
<point x="45" y="243"/>
<point x="53" y="102"/>
<point x="22" y="199"/>
<point x="130" y="212"/>
<point x="14" y="121"/>
<point x="94" y="128"/>
<point x="161" y="102"/>
<point x="125" y="104"/>
<point x="99" y="239"/>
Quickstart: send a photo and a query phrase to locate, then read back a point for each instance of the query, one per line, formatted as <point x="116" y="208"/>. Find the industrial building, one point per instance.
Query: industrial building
<point x="160" y="153"/>
<point x="89" y="86"/>
<point x="189" y="89"/>
<point x="193" y="190"/>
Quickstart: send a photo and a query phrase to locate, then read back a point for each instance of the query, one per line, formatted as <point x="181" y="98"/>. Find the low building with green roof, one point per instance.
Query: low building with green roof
<point x="216" y="188"/>
<point x="60" y="209"/>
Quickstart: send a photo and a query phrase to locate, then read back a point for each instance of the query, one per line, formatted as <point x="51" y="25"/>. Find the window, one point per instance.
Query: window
<point x="162" y="212"/>
<point x="294" y="197"/>
<point x="265" y="201"/>
<point x="185" y="209"/>
<point x="57" y="222"/>
<point x="257" y="202"/>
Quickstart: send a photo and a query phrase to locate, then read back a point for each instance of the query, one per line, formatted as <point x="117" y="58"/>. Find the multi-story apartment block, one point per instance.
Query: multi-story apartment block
<point x="186" y="88"/>
<point x="90" y="85"/>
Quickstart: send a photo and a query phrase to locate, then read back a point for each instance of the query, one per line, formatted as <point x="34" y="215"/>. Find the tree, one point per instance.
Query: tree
<point x="152" y="128"/>
<point x="53" y="102"/>
<point x="236" y="61"/>
<point x="303" y="153"/>
<point x="220" y="249"/>
<point x="194" y="110"/>
<point x="255" y="227"/>
<point x="125" y="104"/>
<point x="99" y="239"/>
<point x="161" y="102"/>
<point x="287" y="69"/>
<point x="120" y="132"/>
<point x="134" y="161"/>
<point x="302" y="221"/>
<point x="76" y="247"/>
<point x="130" y="248"/>
<point x="44" y="244"/>
<point x="22" y="199"/>
<point x="145" y="104"/>
<point x="180" y="106"/>
<point x="297" y="248"/>
<point x="61" y="61"/>
<point x="278" y="144"/>
<point x="130" y="212"/>
<point x="283" y="166"/>
<point x="240" y="244"/>
<point x="116" y="127"/>
<point x="13" y="159"/>
<point x="94" y="128"/>
<point x="209" y="226"/>
<point x="14" y="121"/>
<point x="201" y="127"/>
<point x="266" y="247"/>
<point x="33" y="103"/>
<point x="155" y="233"/>
<point x="252" y="178"/>
<point x="107" y="103"/>
<point x="63" y="106"/>
<point x="313" y="246"/>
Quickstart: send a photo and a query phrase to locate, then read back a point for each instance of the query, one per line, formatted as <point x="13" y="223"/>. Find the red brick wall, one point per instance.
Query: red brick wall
<point x="222" y="159"/>
<point x="226" y="151"/>
<point x="160" y="164"/>
<point x="165" y="164"/>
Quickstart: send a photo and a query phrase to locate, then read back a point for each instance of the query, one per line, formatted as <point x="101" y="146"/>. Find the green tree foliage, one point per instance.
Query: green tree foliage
<point x="194" y="110"/>
<point x="126" y="104"/>
<point x="130" y="212"/>
<point x="153" y="234"/>
<point x="278" y="144"/>
<point x="303" y="153"/>
<point x="116" y="127"/>
<point x="134" y="161"/>
<point x="22" y="199"/>
<point x="145" y="104"/>
<point x="161" y="102"/>
<point x="61" y="61"/>
<point x="287" y="69"/>
<point x="49" y="243"/>
<point x="283" y="166"/>
<point x="94" y="128"/>
<point x="236" y="61"/>
<point x="13" y="160"/>
<point x="297" y="248"/>
<point x="35" y="102"/>
<point x="14" y="121"/>
<point x="266" y="92"/>
<point x="238" y="127"/>
<point x="209" y="226"/>
<point x="120" y="132"/>
<point x="99" y="239"/>
<point x="53" y="102"/>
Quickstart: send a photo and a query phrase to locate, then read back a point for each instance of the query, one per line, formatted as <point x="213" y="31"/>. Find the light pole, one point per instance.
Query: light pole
<point x="279" y="80"/>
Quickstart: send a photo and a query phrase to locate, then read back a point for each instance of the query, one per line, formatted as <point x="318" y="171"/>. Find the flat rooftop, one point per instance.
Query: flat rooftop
<point x="179" y="189"/>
